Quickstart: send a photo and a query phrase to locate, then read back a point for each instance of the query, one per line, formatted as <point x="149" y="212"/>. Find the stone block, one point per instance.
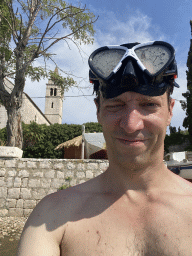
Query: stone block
<point x="92" y="166"/>
<point x="71" y="166"/>
<point x="60" y="175"/>
<point x="80" y="175"/>
<point x="17" y="182"/>
<point x="10" y="163"/>
<point x="29" y="204"/>
<point x="27" y="212"/>
<point x="49" y="174"/>
<point x="2" y="202"/>
<point x="3" y="192"/>
<point x="89" y="174"/>
<point x="2" y="162"/>
<point x="69" y="174"/>
<point x="2" y="181"/>
<point x="26" y="193"/>
<point x="24" y="183"/>
<point x="31" y="164"/>
<point x="23" y="174"/>
<point x="10" y="152"/>
<point x="73" y="182"/>
<point x="38" y="194"/>
<point x="38" y="174"/>
<point x="81" y="167"/>
<point x="52" y="190"/>
<point x="10" y="182"/>
<point x="12" y="173"/>
<point x="59" y="166"/>
<point x="34" y="183"/>
<point x="19" y="203"/>
<point x="81" y="181"/>
<point x="45" y="183"/>
<point x="11" y="203"/>
<point x="56" y="183"/>
<point x="13" y="193"/>
<point x="3" y="212"/>
<point x="103" y="166"/>
<point x="97" y="173"/>
<point x="21" y="164"/>
<point x="45" y="164"/>
<point x="2" y="172"/>
<point x="16" y="212"/>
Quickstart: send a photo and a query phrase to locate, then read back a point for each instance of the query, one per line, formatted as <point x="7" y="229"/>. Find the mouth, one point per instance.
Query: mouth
<point x="131" y="141"/>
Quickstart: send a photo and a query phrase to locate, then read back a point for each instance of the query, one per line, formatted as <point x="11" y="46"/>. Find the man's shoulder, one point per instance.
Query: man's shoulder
<point x="63" y="205"/>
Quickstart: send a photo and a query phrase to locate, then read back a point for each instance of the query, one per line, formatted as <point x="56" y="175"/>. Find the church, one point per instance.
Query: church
<point x="31" y="112"/>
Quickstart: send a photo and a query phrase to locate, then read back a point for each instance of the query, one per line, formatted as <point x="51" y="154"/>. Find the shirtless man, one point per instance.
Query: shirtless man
<point x="137" y="206"/>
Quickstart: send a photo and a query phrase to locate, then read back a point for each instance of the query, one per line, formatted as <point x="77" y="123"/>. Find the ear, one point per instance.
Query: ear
<point x="170" y="114"/>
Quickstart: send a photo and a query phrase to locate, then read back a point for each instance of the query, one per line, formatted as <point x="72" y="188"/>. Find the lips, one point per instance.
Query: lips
<point x="131" y="141"/>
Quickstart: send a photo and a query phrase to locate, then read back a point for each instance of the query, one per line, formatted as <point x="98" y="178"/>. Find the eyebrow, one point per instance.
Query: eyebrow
<point x="142" y="98"/>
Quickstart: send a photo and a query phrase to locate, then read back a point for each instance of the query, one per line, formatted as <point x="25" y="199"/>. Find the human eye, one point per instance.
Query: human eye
<point x="150" y="105"/>
<point x="114" y="107"/>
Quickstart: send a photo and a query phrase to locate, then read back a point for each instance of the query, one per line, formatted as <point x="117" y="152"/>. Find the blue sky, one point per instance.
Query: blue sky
<point x="122" y="22"/>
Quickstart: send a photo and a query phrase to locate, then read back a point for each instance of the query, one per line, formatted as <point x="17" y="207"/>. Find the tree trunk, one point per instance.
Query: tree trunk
<point x="14" y="126"/>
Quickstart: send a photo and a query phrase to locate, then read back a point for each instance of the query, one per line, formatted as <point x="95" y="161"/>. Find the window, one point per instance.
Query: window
<point x="55" y="92"/>
<point x="52" y="105"/>
<point x="51" y="92"/>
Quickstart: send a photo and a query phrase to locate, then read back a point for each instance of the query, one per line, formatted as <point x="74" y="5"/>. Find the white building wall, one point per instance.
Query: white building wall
<point x="30" y="113"/>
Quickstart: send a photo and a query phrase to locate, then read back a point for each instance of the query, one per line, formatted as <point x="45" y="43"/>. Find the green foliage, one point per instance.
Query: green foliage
<point x="91" y="127"/>
<point x="172" y="129"/>
<point x="22" y="19"/>
<point x="5" y="33"/>
<point x="187" y="123"/>
<point x="5" y="19"/>
<point x="64" y="186"/>
<point x="64" y="82"/>
<point x="176" y="138"/>
<point x="41" y="140"/>
<point x="3" y="137"/>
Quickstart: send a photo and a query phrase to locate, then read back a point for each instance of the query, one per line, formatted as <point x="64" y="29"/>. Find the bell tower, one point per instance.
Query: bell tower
<point x="53" y="102"/>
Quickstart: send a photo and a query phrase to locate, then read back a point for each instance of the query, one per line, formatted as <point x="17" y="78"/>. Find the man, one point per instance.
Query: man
<point x="137" y="206"/>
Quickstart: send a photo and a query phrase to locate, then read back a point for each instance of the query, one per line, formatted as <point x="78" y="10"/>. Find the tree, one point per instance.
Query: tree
<point x="187" y="106"/>
<point x="172" y="129"/>
<point x="32" y="25"/>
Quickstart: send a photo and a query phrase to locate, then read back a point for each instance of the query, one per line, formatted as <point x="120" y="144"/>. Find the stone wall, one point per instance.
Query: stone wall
<point x="25" y="181"/>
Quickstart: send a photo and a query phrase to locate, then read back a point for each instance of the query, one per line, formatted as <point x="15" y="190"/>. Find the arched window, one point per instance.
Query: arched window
<point x="55" y="92"/>
<point x="51" y="92"/>
<point x="52" y="105"/>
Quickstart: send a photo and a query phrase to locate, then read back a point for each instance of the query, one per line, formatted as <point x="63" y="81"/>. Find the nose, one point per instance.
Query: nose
<point x="132" y="120"/>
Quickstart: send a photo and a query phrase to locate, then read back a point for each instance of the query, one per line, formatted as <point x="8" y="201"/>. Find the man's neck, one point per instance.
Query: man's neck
<point x="143" y="181"/>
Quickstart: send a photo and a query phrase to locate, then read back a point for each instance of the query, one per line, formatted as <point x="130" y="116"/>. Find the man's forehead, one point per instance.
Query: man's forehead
<point x="126" y="96"/>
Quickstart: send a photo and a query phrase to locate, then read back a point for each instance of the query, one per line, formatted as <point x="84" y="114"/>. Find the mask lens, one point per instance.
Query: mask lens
<point x="153" y="57"/>
<point x="105" y="61"/>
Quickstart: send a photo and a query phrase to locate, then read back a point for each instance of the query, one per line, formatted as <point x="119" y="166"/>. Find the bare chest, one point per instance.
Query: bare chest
<point x="116" y="234"/>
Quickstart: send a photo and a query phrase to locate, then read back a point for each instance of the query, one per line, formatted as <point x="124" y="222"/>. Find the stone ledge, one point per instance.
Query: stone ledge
<point x="10" y="152"/>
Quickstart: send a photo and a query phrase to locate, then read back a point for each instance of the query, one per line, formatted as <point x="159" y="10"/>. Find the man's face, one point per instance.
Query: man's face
<point x="134" y="127"/>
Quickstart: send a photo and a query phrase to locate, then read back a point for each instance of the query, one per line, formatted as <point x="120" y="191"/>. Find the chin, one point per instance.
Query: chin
<point x="131" y="161"/>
